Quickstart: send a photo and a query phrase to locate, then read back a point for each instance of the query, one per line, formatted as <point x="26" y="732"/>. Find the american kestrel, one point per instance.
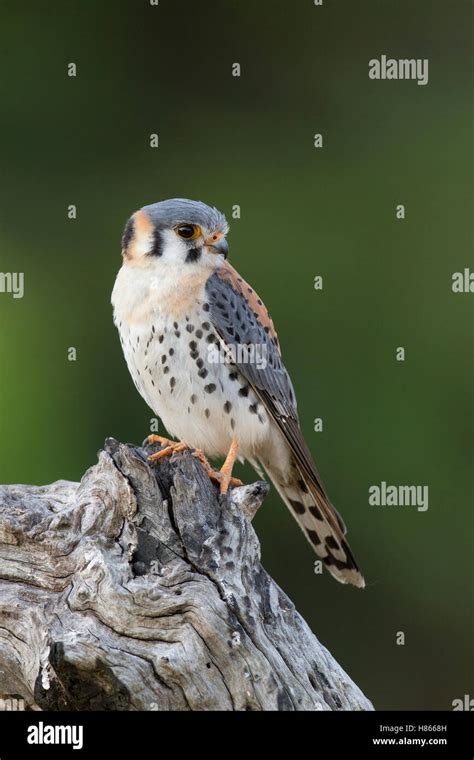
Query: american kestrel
<point x="203" y="352"/>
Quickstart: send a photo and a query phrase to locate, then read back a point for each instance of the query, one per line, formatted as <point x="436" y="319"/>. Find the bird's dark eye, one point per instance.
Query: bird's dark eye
<point x="188" y="231"/>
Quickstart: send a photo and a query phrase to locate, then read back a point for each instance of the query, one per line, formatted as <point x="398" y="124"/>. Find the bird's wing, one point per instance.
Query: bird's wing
<point x="240" y="318"/>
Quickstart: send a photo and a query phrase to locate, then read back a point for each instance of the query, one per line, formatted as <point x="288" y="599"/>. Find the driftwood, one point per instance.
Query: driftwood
<point x="141" y="588"/>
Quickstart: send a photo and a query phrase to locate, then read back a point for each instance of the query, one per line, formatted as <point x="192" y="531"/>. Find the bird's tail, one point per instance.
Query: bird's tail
<point x="322" y="525"/>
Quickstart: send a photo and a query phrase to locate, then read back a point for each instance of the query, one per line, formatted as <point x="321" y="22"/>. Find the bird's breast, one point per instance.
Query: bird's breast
<point x="140" y="294"/>
<point x="199" y="398"/>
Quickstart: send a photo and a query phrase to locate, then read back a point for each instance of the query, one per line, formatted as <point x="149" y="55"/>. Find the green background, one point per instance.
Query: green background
<point x="304" y="212"/>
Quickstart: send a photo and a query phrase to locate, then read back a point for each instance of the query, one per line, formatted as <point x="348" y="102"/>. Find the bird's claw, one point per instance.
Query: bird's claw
<point x="222" y="477"/>
<point x="152" y="438"/>
<point x="172" y="448"/>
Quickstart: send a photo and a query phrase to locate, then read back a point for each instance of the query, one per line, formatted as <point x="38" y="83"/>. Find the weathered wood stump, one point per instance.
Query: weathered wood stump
<point x="141" y="588"/>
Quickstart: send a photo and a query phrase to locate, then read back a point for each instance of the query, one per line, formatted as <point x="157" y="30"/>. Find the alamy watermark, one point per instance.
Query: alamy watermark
<point x="384" y="495"/>
<point x="12" y="282"/>
<point x="401" y="68"/>
<point x="464" y="703"/>
<point x="12" y="704"/>
<point x="241" y="353"/>
<point x="42" y="733"/>
<point x="463" y="282"/>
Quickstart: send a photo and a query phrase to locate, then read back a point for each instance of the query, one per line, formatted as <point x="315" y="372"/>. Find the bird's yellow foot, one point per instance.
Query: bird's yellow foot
<point x="171" y="447"/>
<point x="160" y="439"/>
<point x="223" y="476"/>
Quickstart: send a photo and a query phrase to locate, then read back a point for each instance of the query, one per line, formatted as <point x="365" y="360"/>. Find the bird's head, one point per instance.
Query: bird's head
<point x="177" y="233"/>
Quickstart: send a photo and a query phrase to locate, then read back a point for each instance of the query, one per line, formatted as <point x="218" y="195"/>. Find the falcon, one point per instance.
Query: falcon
<point x="203" y="353"/>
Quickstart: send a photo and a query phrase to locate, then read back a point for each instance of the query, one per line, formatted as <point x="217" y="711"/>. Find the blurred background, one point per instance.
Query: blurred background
<point x="143" y="69"/>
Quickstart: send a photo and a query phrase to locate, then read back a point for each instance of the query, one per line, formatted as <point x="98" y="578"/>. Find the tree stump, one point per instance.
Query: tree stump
<point x="141" y="588"/>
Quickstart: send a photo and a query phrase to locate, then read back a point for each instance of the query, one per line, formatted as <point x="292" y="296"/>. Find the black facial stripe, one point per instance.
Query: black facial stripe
<point x="194" y="254"/>
<point x="157" y="247"/>
<point x="128" y="234"/>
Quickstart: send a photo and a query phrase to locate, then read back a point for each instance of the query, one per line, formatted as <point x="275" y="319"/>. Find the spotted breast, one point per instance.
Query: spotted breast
<point x="180" y="368"/>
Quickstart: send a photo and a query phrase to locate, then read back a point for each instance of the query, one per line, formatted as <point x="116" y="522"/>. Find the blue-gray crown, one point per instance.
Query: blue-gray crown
<point x="174" y="211"/>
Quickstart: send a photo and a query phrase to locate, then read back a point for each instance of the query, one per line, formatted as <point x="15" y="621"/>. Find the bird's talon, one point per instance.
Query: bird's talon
<point x="201" y="457"/>
<point x="152" y="438"/>
<point x="225" y="482"/>
<point x="222" y="478"/>
<point x="172" y="448"/>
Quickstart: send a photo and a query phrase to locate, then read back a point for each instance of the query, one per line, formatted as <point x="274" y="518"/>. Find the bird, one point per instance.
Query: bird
<point x="203" y="352"/>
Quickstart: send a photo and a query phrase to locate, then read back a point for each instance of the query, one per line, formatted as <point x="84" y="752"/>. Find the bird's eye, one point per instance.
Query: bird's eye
<point x="188" y="231"/>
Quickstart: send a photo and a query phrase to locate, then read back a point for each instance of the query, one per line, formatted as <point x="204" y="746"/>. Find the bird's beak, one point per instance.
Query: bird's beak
<point x="220" y="246"/>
